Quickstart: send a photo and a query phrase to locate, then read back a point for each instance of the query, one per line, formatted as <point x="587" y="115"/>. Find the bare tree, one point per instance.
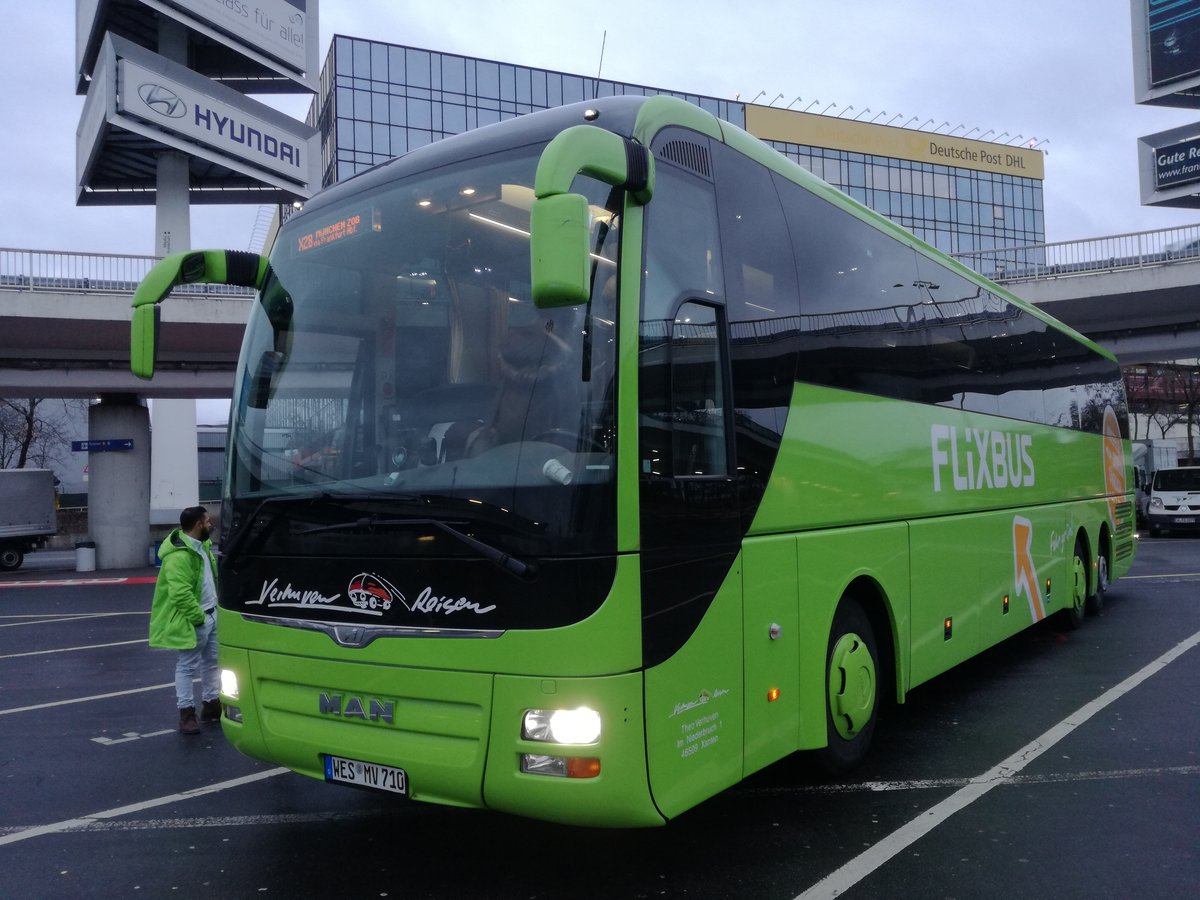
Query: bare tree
<point x="36" y="432"/>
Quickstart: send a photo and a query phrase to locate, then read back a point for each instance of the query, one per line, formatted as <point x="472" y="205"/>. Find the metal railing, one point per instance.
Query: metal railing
<point x="1136" y="250"/>
<point x="89" y="273"/>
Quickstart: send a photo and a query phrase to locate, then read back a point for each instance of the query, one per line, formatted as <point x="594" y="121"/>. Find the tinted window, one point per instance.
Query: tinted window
<point x="864" y="313"/>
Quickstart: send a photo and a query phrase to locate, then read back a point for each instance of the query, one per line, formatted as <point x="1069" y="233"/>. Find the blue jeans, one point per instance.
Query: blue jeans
<point x="202" y="659"/>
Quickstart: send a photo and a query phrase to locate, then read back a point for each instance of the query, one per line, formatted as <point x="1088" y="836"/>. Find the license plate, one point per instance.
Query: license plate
<point x="365" y="774"/>
<point x="1185" y="520"/>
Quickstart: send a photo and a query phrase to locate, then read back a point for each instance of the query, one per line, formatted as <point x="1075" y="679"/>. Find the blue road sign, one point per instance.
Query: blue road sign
<point x="102" y="446"/>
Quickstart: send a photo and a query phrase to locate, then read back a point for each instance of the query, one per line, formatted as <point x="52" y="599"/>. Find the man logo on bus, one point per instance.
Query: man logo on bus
<point x="369" y="591"/>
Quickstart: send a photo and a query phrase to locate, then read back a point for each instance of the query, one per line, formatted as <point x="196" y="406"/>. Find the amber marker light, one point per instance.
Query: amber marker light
<point x="582" y="767"/>
<point x="772" y="695"/>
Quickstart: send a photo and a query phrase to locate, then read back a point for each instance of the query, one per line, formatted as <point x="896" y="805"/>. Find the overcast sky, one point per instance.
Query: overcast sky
<point x="1045" y="70"/>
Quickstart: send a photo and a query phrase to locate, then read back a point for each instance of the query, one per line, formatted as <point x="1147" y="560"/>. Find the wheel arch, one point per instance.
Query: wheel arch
<point x="871" y="596"/>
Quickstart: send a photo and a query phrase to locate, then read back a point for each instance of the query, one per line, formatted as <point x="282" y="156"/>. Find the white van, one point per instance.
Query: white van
<point x="1174" y="500"/>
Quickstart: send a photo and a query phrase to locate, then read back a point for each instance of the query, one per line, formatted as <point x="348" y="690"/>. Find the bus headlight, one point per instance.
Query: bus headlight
<point x="562" y="726"/>
<point x="229" y="684"/>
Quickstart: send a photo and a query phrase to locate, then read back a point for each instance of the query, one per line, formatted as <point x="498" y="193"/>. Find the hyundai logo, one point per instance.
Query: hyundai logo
<point x="162" y="100"/>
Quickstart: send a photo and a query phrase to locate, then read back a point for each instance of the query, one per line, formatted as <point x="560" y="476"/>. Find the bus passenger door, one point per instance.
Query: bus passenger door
<point x="770" y="636"/>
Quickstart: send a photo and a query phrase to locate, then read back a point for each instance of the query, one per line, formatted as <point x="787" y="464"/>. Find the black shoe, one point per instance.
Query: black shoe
<point x="187" y="721"/>
<point x="210" y="710"/>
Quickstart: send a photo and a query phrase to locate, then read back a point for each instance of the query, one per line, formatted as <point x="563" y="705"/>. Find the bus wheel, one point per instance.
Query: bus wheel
<point x="1073" y="614"/>
<point x="852" y="689"/>
<point x="1095" y="603"/>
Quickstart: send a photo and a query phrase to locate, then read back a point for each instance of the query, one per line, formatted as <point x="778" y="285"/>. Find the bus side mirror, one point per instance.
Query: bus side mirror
<point x="143" y="341"/>
<point x="560" y="229"/>
<point x="210" y="266"/>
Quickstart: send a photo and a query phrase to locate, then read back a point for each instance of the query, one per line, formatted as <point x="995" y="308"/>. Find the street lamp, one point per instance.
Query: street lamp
<point x="789" y="106"/>
<point x="811" y="105"/>
<point x="861" y="114"/>
<point x="894" y="118"/>
<point x="829" y="107"/>
<point x="759" y="94"/>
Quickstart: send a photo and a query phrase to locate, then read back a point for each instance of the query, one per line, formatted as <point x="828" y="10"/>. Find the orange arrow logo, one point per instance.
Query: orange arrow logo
<point x="1114" y="464"/>
<point x="1025" y="574"/>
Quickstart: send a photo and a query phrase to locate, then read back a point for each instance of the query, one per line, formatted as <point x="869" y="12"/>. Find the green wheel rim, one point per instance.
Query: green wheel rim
<point x="851" y="685"/>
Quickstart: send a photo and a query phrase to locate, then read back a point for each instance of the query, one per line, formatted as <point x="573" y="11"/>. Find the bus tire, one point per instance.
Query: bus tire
<point x="1095" y="603"/>
<point x="1073" y="614"/>
<point x="851" y="688"/>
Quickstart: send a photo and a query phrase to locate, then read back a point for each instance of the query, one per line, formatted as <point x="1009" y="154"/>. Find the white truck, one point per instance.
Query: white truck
<point x="1148" y="457"/>
<point x="27" y="513"/>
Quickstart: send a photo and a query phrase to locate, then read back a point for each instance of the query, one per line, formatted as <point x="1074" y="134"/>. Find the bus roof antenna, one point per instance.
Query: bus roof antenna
<point x="599" y="68"/>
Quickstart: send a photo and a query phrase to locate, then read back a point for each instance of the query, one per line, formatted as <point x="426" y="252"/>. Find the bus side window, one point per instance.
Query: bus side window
<point x="698" y="403"/>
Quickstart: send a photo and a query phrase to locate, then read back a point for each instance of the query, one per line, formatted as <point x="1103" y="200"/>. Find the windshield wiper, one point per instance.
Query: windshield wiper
<point x="494" y="555"/>
<point x="244" y="532"/>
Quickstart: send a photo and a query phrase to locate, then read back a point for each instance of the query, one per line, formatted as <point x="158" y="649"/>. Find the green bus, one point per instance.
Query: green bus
<point x="582" y="465"/>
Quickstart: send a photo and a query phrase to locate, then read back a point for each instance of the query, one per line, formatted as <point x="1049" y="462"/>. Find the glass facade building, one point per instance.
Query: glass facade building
<point x="381" y="100"/>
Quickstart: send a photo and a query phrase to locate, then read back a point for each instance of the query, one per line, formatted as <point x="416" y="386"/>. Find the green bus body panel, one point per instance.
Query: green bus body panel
<point x="852" y="458"/>
<point x="618" y="796"/>
<point x="694" y="708"/>
<point x="971" y="592"/>
<point x="661" y="111"/>
<point x="771" y="599"/>
<point x="439" y="735"/>
<point x="629" y="524"/>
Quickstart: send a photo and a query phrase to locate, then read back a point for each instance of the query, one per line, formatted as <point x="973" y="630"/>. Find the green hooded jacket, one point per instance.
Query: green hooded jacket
<point x="176" y="612"/>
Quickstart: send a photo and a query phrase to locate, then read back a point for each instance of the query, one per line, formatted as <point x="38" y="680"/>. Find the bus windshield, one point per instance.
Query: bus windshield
<point x="395" y="356"/>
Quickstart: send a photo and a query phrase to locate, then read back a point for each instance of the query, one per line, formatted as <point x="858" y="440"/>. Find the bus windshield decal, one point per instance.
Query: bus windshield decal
<point x="369" y="594"/>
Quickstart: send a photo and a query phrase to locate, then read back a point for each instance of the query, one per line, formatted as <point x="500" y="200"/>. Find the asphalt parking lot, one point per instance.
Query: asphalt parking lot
<point x="1059" y="764"/>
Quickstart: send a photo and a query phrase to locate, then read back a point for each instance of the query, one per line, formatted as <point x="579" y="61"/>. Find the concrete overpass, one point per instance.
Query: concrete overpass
<point x="1137" y="294"/>
<point x="64" y="329"/>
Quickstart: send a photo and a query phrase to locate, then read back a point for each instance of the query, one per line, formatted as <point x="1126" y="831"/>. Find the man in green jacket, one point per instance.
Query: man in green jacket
<point x="184" y="615"/>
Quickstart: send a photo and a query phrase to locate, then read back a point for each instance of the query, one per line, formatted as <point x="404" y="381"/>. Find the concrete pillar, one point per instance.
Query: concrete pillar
<point x="174" y="461"/>
<point x="118" y="483"/>
<point x="174" y="467"/>
<point x="172" y="217"/>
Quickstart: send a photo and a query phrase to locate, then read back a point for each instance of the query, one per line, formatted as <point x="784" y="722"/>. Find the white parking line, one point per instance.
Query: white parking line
<point x="141" y="690"/>
<point x="90" y="819"/>
<point x="868" y="861"/>
<point x="941" y="784"/>
<point x="72" y="649"/>
<point x="43" y="619"/>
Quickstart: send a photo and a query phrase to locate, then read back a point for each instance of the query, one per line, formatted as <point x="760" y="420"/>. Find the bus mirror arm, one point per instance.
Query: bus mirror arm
<point x="560" y="221"/>
<point x="196" y="266"/>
